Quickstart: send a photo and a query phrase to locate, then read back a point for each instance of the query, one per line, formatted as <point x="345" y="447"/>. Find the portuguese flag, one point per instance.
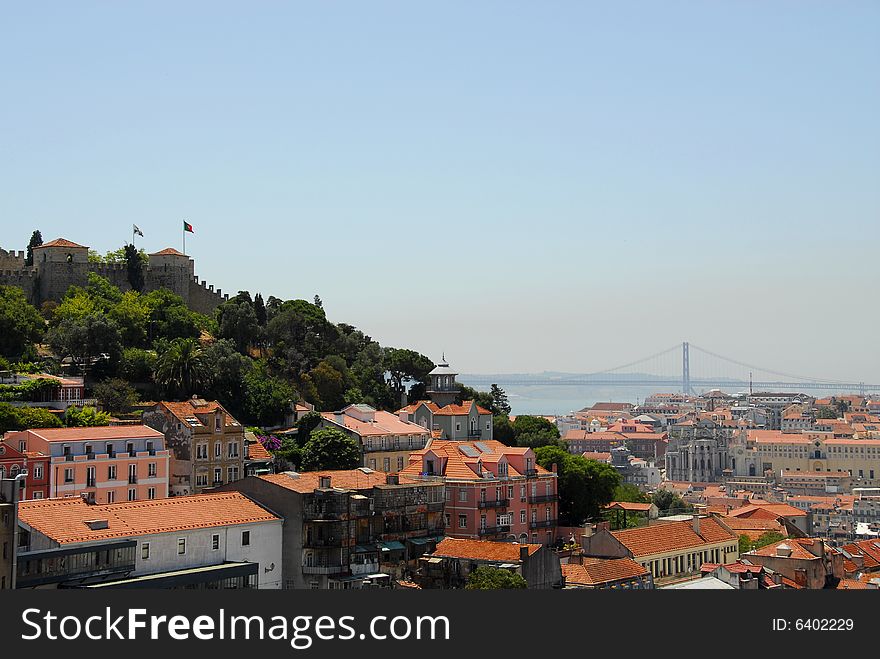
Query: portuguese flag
<point x="188" y="227"/>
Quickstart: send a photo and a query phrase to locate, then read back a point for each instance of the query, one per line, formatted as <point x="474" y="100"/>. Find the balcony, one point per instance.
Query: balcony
<point x="68" y="457"/>
<point x="495" y="530"/>
<point x="90" y="482"/>
<point x="70" y="565"/>
<point x="325" y="569"/>
<point x="546" y="498"/>
<point x="316" y="543"/>
<point x="531" y="473"/>
<point x="495" y="503"/>
<point x="543" y="524"/>
<point x="90" y="455"/>
<point x="132" y="480"/>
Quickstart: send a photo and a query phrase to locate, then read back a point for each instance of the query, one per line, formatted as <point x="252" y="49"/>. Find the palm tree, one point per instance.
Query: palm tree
<point x="181" y="369"/>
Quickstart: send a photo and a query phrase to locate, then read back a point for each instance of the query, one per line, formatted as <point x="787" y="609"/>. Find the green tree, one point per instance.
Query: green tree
<point x="169" y="317"/>
<point x="827" y="412"/>
<point x="745" y="544"/>
<point x="330" y="386"/>
<point x="267" y="398"/>
<point x="237" y="321"/>
<point x="20" y="324"/>
<point x="137" y="364"/>
<point x="82" y="417"/>
<point x="500" y="404"/>
<point x="306" y="425"/>
<point x="181" y="368"/>
<point x="134" y="267"/>
<point x="669" y="503"/>
<point x="227" y="369"/>
<point x="481" y="398"/>
<point x="585" y="486"/>
<point x="405" y="367"/>
<point x="35" y="241"/>
<point x="115" y="395"/>
<point x="260" y="310"/>
<point x="502" y="430"/>
<point x="330" y="449"/>
<point x="131" y="315"/>
<point x="493" y="578"/>
<point x="768" y="538"/>
<point x="630" y="493"/>
<point x="22" y="418"/>
<point x="85" y="340"/>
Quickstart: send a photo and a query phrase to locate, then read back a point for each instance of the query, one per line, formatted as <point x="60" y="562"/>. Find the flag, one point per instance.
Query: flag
<point x="137" y="231"/>
<point x="188" y="227"/>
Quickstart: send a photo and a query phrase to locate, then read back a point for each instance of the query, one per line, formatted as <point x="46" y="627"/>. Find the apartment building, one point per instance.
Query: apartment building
<point x="206" y="442"/>
<point x="607" y="574"/>
<point x="493" y="491"/>
<point x="671" y="550"/>
<point x="106" y="464"/>
<point x="385" y="439"/>
<point x="220" y="540"/>
<point x="349" y="528"/>
<point x="466" y="421"/>
<point x="807" y="563"/>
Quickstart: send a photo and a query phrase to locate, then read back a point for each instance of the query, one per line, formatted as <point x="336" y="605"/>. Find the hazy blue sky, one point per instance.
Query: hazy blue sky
<point x="525" y="185"/>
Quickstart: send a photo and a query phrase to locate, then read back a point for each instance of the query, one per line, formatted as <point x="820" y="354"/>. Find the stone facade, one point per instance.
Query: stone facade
<point x="60" y="264"/>
<point x="697" y="452"/>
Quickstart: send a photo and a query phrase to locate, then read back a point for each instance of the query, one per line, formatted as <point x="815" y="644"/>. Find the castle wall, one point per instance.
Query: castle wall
<point x="26" y="280"/>
<point x="203" y="298"/>
<point x="12" y="260"/>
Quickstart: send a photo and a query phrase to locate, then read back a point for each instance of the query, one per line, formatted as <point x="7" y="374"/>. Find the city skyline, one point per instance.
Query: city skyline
<point x="521" y="189"/>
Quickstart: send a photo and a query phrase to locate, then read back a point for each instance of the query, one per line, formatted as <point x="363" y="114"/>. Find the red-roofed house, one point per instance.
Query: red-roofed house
<point x="493" y="490"/>
<point x="805" y="562"/>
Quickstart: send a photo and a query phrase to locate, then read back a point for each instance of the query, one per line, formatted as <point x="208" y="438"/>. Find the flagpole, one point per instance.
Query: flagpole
<point x="184" y="236"/>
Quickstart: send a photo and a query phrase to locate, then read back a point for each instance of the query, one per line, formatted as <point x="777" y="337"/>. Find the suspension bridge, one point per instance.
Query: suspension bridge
<point x="684" y="367"/>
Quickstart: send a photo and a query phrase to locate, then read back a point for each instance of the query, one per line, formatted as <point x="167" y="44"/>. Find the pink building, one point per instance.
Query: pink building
<point x="106" y="463"/>
<point x="493" y="491"/>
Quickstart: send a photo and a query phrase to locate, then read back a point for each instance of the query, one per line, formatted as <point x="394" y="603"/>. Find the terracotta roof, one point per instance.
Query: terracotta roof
<point x="673" y="536"/>
<point x="95" y="433"/>
<point x="384" y="424"/>
<point x="256" y="451"/>
<point x="65" y="520"/>
<point x="851" y="584"/>
<point x="460" y="410"/>
<point x="459" y="459"/>
<point x="596" y="571"/>
<point x="412" y="407"/>
<point x="168" y="251"/>
<point x="309" y="481"/>
<point x="190" y="409"/>
<point x="482" y="550"/>
<point x="60" y="242"/>
<point x="759" y="508"/>
<point x="797" y="546"/>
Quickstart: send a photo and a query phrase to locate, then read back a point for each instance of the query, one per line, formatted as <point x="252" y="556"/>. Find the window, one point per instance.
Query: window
<point x="38" y="495"/>
<point x="218" y="423"/>
<point x="132" y="494"/>
<point x="129" y="449"/>
<point x="90" y="477"/>
<point x="215" y="542"/>
<point x="68" y="475"/>
<point x="510" y="491"/>
<point x="446" y="520"/>
<point x="373" y="464"/>
<point x="233" y="449"/>
<point x="151" y="471"/>
<point x="231" y="474"/>
<point x="145" y="551"/>
<point x="522" y="516"/>
<point x="245" y="538"/>
<point x="111" y="473"/>
<point x="218" y="449"/>
<point x="462" y="521"/>
<point x="151" y="493"/>
<point x="386" y="464"/>
<point x="22" y="446"/>
<point x="38" y="472"/>
<point x="181" y="546"/>
<point x="462" y="494"/>
<point x="132" y="473"/>
<point x="111" y="496"/>
<point x="201" y="451"/>
<point x="218" y="476"/>
<point x="400" y="464"/>
<point x="201" y="480"/>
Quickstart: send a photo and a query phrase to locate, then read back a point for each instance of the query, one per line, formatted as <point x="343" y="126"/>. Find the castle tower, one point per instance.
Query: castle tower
<point x="172" y="270"/>
<point x="60" y="264"/>
<point x="443" y="389"/>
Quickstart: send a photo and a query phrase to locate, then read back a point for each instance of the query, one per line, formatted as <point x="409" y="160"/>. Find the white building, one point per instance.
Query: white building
<point x="170" y="536"/>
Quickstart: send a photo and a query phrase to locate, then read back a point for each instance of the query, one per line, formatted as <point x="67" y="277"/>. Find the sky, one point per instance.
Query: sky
<point x="526" y="186"/>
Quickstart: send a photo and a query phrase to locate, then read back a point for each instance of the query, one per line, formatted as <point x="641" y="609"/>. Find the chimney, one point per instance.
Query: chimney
<point x="553" y="467"/>
<point x="324" y="482"/>
<point x="695" y="522"/>
<point x="523" y="553"/>
<point x="392" y="479"/>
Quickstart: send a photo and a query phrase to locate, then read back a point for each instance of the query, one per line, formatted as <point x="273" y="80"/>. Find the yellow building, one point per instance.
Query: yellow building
<point x="670" y="550"/>
<point x="818" y="452"/>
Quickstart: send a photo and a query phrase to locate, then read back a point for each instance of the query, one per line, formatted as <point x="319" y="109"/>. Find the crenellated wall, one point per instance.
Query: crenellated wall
<point x="57" y="269"/>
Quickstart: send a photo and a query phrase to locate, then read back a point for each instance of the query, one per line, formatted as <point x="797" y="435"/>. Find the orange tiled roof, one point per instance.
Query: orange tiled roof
<point x="168" y="251"/>
<point x="596" y="571"/>
<point x="384" y="423"/>
<point x="626" y="505"/>
<point x="482" y="550"/>
<point x="188" y="409"/>
<point x="758" y="508"/>
<point x="256" y="451"/>
<point x="64" y="520"/>
<point x="797" y="546"/>
<point x="412" y="407"/>
<point x="673" y="536"/>
<point x="309" y="481"/>
<point x="59" y="242"/>
<point x="851" y="584"/>
<point x="457" y="464"/>
<point x="460" y="410"/>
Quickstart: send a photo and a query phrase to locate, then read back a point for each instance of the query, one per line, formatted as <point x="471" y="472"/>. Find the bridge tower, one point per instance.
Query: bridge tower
<point x="685" y="369"/>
